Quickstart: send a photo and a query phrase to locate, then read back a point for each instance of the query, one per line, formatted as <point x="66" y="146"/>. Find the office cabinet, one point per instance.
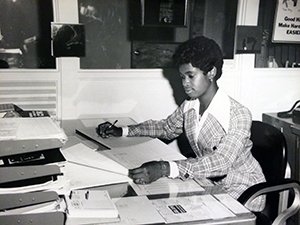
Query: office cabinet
<point x="291" y="132"/>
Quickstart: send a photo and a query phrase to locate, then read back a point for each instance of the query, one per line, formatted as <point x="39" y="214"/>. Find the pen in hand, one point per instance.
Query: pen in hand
<point x="110" y="126"/>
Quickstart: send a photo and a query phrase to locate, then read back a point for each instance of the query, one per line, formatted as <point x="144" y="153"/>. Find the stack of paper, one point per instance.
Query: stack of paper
<point x="90" y="207"/>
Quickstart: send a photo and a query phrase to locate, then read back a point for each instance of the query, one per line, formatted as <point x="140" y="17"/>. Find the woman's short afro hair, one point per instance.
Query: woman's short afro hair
<point x="201" y="52"/>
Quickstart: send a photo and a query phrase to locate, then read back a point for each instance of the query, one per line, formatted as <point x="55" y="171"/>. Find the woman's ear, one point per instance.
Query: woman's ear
<point x="212" y="73"/>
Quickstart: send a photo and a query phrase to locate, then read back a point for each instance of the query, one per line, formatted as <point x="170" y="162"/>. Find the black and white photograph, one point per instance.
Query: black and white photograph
<point x="143" y="112"/>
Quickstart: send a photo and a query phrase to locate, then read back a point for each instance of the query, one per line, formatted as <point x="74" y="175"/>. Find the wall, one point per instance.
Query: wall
<point x="143" y="94"/>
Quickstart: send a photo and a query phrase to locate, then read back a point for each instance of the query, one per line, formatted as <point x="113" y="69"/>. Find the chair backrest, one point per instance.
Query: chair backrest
<point x="270" y="150"/>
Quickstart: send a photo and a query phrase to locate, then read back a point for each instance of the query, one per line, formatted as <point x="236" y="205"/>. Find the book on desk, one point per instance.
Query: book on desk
<point x="90" y="207"/>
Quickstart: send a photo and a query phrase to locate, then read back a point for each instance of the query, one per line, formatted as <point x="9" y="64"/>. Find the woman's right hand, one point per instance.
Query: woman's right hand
<point x="107" y="129"/>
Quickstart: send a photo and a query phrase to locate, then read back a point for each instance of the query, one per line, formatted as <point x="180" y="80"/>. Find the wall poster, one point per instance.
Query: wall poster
<point x="287" y="22"/>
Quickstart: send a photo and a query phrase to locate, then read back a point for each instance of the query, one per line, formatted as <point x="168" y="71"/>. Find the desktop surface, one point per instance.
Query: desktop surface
<point x="141" y="204"/>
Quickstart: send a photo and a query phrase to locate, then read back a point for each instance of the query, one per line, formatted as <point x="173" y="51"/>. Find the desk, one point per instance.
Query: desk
<point x="125" y="190"/>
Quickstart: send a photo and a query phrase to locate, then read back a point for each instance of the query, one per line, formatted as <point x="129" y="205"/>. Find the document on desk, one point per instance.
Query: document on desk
<point x="94" y="122"/>
<point x="30" y="128"/>
<point x="191" y="208"/>
<point x="79" y="176"/>
<point x="231" y="203"/>
<point x="111" y="142"/>
<point x="83" y="155"/>
<point x="167" y="186"/>
<point x="137" y="210"/>
<point x="153" y="149"/>
<point x="135" y="155"/>
<point x="90" y="132"/>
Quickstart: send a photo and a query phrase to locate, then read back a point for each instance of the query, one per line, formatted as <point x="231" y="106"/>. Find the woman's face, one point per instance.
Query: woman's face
<point x="194" y="82"/>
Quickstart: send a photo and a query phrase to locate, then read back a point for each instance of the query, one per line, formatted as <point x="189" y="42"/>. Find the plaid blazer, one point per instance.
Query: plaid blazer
<point x="218" y="152"/>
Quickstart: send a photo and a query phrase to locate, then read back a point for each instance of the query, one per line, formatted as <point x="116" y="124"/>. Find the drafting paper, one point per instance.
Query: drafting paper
<point x="79" y="176"/>
<point x="81" y="154"/>
<point x="135" y="155"/>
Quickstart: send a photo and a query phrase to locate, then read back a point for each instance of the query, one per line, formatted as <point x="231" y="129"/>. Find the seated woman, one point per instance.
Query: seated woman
<point x="217" y="128"/>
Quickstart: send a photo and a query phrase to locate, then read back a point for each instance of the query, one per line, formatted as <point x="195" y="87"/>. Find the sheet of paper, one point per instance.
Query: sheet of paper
<point x="112" y="142"/>
<point x="166" y="185"/>
<point x="191" y="208"/>
<point x="137" y="210"/>
<point x="81" y="154"/>
<point x="135" y="155"/>
<point x="79" y="176"/>
<point x="31" y="128"/>
<point x="231" y="203"/>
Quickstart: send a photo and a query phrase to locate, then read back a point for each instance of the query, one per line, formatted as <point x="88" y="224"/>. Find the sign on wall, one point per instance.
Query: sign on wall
<point x="287" y="21"/>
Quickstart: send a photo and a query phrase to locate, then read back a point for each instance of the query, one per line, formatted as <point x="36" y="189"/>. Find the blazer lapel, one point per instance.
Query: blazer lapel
<point x="190" y="129"/>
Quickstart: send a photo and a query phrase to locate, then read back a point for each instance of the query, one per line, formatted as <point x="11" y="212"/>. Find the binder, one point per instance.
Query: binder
<point x="13" y="147"/>
<point x="27" y="175"/>
<point x="33" y="158"/>
<point x="49" y="218"/>
<point x="12" y="201"/>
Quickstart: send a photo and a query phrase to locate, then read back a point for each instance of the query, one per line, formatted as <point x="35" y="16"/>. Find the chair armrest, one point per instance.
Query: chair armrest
<point x="267" y="187"/>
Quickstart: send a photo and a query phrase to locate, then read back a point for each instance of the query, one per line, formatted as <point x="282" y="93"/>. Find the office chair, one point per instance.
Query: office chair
<point x="270" y="150"/>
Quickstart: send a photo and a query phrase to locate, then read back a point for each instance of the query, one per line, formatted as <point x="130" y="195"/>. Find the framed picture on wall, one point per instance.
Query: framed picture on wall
<point x="249" y="39"/>
<point x="164" y="12"/>
<point x="67" y="40"/>
<point x="286" y="27"/>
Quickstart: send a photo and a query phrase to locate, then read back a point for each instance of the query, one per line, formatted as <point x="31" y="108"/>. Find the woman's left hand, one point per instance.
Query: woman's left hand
<point x="149" y="172"/>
